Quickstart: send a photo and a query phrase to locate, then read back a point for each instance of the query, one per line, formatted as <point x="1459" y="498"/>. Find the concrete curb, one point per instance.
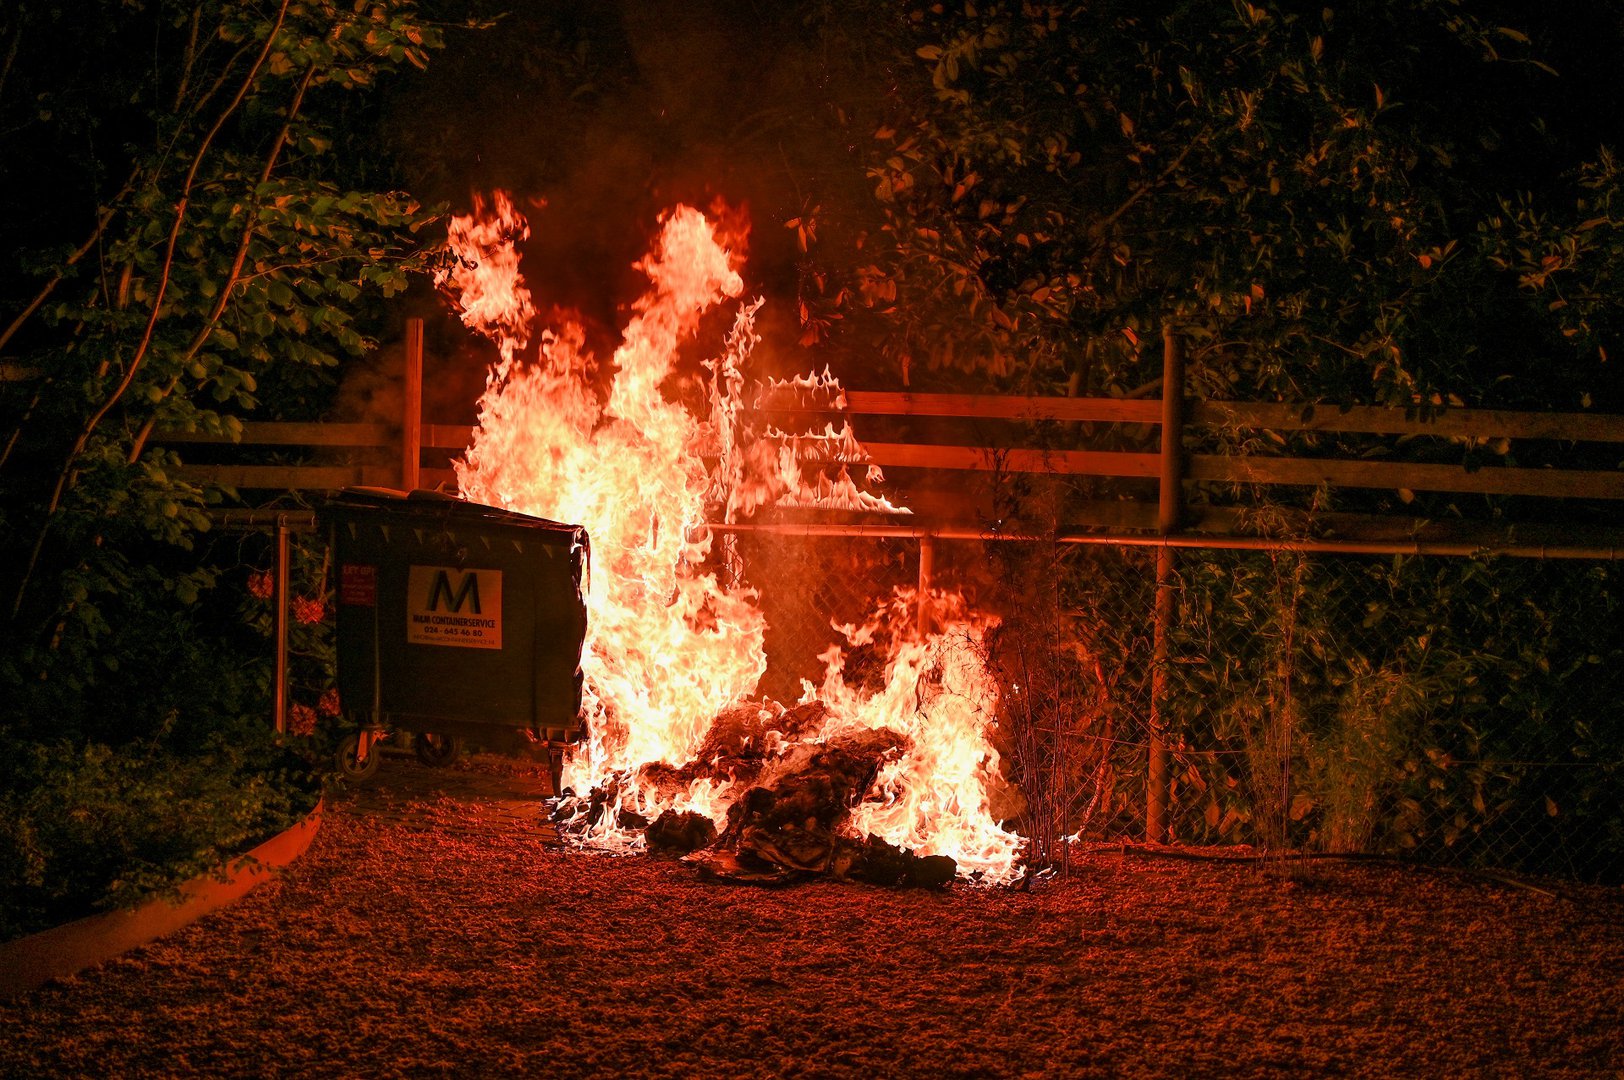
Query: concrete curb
<point x="30" y="962"/>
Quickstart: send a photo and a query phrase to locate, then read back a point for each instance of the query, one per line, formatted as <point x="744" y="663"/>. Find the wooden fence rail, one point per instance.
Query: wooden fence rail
<point x="363" y="451"/>
<point x="1373" y="419"/>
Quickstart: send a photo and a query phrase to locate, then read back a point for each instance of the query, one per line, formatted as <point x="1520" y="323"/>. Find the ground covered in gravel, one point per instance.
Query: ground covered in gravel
<point x="431" y="931"/>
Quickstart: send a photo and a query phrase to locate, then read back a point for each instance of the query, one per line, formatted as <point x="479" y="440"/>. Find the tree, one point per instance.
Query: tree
<point x="1378" y="201"/>
<point x="188" y="241"/>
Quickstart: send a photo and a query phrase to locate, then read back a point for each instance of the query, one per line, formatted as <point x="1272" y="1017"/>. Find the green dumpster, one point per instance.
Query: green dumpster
<point x="455" y="620"/>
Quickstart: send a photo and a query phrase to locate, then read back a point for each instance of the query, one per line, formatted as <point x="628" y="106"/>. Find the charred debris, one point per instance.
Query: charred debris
<point x="791" y="819"/>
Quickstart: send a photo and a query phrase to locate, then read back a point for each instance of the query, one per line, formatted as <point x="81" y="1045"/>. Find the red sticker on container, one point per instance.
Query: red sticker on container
<point x="358" y="585"/>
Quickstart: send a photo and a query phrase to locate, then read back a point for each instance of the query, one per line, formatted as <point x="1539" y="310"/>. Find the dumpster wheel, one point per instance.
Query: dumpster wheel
<point x="437" y="751"/>
<point x="354" y="768"/>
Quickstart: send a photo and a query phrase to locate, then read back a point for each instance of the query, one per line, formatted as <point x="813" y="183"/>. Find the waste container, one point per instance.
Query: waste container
<point x="456" y="620"/>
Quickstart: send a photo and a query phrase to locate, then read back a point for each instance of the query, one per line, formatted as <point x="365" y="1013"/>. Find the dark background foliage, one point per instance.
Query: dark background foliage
<point x="1372" y="202"/>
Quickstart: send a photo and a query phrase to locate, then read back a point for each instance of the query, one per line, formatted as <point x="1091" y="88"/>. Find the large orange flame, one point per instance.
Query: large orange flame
<point x="669" y="645"/>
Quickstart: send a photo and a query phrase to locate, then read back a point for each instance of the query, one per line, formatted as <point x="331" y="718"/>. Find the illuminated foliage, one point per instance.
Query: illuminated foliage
<point x="218" y="255"/>
<point x="192" y="233"/>
<point x="1376" y="201"/>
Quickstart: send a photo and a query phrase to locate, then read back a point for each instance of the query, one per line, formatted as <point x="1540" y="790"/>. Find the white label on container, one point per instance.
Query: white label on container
<point x="449" y="606"/>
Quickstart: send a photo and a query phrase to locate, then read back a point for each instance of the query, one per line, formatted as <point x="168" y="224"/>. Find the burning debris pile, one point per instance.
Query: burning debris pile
<point x="795" y="825"/>
<point x="882" y="772"/>
<point x="791" y="815"/>
<point x="790" y="818"/>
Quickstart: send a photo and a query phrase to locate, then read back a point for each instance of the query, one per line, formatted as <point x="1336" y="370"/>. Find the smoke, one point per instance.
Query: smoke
<point x="599" y="116"/>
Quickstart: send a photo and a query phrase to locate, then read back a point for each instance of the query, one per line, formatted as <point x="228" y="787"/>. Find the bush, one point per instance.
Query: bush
<point x="90" y="828"/>
<point x="142" y="752"/>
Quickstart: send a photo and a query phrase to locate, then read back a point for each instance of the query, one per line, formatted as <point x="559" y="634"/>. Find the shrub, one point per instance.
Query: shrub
<point x="90" y="828"/>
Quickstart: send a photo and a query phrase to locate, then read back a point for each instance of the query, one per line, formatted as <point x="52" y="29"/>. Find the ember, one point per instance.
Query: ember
<point x="889" y="778"/>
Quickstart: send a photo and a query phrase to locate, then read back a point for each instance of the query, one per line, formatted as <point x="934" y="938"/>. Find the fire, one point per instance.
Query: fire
<point x="486" y="275"/>
<point x="675" y="637"/>
<point x="937" y="692"/>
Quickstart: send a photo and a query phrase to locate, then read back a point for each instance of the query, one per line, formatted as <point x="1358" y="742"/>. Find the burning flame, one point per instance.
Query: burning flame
<point x="670" y="643"/>
<point x="486" y="276"/>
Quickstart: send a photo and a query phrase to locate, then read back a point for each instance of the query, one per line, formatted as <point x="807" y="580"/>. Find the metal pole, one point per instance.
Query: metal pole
<point x="1168" y="510"/>
<point x="927" y="567"/>
<point x="279" y="695"/>
<point x="1208" y="541"/>
<point x="1605" y="552"/>
<point x="411" y="419"/>
<point x="1156" y="780"/>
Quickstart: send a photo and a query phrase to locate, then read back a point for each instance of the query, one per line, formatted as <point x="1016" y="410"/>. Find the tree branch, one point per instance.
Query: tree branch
<point x="11" y="55"/>
<point x="169" y="260"/>
<point x="191" y="59"/>
<point x="250" y="220"/>
<point x="1146" y="188"/>
<point x="102" y="218"/>
<point x="136" y="361"/>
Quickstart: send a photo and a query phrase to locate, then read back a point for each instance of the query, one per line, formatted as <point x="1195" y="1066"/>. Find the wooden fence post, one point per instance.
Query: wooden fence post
<point x="411" y="418"/>
<point x="1167" y="522"/>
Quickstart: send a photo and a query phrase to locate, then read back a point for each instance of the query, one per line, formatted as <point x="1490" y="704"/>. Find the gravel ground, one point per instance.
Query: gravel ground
<point x="430" y="931"/>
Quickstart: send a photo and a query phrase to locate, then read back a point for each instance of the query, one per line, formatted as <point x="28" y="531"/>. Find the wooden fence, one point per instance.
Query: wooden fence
<point x="391" y="455"/>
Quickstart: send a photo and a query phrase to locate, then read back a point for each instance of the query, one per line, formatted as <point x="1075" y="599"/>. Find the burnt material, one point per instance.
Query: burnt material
<point x="738" y="744"/>
<point x="790" y="819"/>
<point x="793" y="828"/>
<point x="675" y="834"/>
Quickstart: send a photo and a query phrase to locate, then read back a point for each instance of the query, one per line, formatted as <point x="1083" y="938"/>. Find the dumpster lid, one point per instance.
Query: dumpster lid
<point x="380" y="500"/>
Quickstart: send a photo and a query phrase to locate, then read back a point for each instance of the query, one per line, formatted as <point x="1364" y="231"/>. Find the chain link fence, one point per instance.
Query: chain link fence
<point x="809" y="585"/>
<point x="1463" y="712"/>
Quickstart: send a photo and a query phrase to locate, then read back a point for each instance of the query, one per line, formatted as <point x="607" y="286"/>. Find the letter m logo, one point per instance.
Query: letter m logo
<point x="466" y="593"/>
